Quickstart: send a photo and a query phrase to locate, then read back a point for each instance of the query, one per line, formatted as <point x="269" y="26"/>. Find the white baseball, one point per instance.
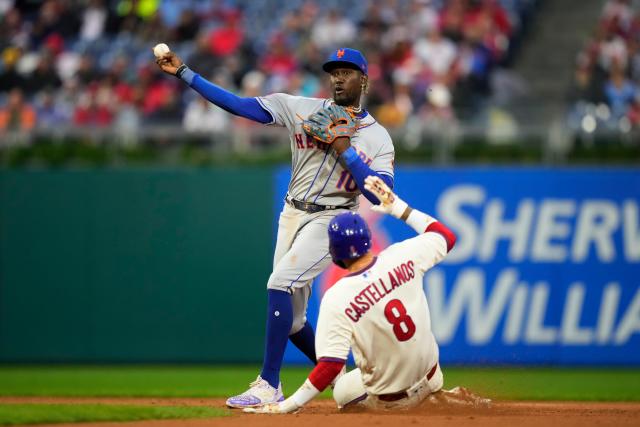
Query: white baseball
<point x="160" y="49"/>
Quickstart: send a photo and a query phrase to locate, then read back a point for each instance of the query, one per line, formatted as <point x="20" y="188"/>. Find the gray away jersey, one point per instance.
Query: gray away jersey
<point x="317" y="174"/>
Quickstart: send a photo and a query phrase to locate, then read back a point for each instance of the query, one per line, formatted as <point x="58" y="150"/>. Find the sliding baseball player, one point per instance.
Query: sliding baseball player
<point x="379" y="311"/>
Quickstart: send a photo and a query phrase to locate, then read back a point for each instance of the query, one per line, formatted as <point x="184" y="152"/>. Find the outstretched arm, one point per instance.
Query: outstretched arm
<point x="248" y="108"/>
<point x="391" y="204"/>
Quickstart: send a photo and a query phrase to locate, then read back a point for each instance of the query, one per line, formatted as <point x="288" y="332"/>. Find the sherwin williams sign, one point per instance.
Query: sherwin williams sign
<point x="546" y="268"/>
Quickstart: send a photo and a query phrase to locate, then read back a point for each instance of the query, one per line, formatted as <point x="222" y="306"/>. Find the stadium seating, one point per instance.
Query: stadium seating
<point x="89" y="64"/>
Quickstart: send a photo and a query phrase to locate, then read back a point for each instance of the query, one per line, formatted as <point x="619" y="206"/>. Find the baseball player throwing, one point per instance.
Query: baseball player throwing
<point x="380" y="311"/>
<point x="335" y="145"/>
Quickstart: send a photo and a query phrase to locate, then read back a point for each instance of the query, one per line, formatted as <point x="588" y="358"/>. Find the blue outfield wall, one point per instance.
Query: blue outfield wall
<point x="546" y="269"/>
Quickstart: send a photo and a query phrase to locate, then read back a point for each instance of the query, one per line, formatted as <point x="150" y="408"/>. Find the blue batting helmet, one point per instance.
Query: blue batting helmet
<point x="346" y="57"/>
<point x="349" y="237"/>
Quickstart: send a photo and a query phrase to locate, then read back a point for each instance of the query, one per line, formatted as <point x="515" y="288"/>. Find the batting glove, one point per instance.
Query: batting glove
<point x="390" y="204"/>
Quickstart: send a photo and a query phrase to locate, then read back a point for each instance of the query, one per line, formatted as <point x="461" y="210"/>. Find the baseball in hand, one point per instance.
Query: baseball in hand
<point x="160" y="50"/>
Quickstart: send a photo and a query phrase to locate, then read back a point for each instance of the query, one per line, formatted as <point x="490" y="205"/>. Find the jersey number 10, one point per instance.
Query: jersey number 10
<point x="347" y="181"/>
<point x="396" y="314"/>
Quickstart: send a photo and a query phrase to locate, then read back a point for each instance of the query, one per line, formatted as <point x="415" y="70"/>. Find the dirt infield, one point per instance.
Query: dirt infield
<point x="324" y="413"/>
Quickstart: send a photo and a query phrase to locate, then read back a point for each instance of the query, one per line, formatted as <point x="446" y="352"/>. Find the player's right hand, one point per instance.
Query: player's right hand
<point x="390" y="204"/>
<point x="169" y="63"/>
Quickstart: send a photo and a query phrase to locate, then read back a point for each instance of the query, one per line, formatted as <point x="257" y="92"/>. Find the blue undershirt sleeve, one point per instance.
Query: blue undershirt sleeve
<point x="248" y="108"/>
<point x="360" y="171"/>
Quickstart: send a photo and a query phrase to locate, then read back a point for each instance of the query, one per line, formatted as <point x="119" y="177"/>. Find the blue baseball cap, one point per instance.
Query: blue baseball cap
<point x="346" y="56"/>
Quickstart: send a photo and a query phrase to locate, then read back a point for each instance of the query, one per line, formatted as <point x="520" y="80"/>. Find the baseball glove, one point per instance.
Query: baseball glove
<point x="330" y="123"/>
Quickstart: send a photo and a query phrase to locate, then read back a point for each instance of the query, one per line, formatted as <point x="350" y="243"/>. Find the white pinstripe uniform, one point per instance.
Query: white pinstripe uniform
<point x="317" y="176"/>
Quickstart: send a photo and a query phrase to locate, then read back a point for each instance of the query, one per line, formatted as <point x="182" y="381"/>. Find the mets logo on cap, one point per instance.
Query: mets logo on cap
<point x="346" y="56"/>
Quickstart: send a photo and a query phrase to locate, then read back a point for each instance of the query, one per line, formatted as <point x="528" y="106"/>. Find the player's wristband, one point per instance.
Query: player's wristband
<point x="349" y="155"/>
<point x="398" y="207"/>
<point x="303" y="395"/>
<point x="185" y="74"/>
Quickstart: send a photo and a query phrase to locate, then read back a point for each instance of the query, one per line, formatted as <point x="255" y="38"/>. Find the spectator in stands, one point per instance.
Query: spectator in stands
<point x="620" y="92"/>
<point x="452" y="18"/>
<point x="203" y="58"/>
<point x="436" y="53"/>
<point x="423" y="18"/>
<point x="585" y="88"/>
<point x="128" y="118"/>
<point x="118" y="79"/>
<point x="155" y="90"/>
<point x="613" y="49"/>
<point x="44" y="76"/>
<point x="87" y="71"/>
<point x="50" y="115"/>
<point x="302" y="83"/>
<point x="436" y="115"/>
<point x="92" y="111"/>
<point x="17" y="115"/>
<point x="332" y="30"/>
<point x="395" y="112"/>
<point x="494" y="15"/>
<point x="54" y="17"/>
<point x="492" y="22"/>
<point x="202" y="116"/>
<point x="13" y="31"/>
<point x="228" y="39"/>
<point x="278" y="58"/>
<point x="94" y="21"/>
<point x="9" y="77"/>
<point x="472" y="71"/>
<point x="617" y="15"/>
<point x="188" y="26"/>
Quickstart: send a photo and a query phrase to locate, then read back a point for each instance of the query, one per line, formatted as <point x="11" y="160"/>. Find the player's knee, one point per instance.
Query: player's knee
<point x="277" y="283"/>
<point x="349" y="389"/>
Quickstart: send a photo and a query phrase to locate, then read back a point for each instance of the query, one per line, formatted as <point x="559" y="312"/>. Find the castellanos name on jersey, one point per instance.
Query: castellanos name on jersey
<point x="317" y="176"/>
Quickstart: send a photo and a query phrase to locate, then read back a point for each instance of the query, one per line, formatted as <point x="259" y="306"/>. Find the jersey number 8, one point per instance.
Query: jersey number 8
<point x="396" y="314"/>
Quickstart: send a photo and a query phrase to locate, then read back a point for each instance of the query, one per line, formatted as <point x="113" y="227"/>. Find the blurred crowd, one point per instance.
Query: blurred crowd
<point x="605" y="95"/>
<point x="88" y="63"/>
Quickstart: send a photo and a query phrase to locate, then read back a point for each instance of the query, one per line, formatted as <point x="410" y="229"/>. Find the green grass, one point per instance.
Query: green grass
<point x="40" y="414"/>
<point x="217" y="381"/>
<point x="221" y="381"/>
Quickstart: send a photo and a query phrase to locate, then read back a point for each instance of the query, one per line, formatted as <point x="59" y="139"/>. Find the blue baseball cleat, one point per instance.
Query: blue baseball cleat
<point x="260" y="393"/>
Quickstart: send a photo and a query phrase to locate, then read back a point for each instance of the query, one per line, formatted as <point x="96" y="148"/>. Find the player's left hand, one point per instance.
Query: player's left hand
<point x="330" y="123"/>
<point x="169" y="63"/>
<point x="389" y="203"/>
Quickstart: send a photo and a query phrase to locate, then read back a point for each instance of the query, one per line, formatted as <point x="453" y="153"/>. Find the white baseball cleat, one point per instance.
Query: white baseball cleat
<point x="260" y="393"/>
